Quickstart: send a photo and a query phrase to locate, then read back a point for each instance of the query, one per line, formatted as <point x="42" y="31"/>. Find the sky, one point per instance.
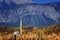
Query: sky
<point x="31" y="1"/>
<point x="5" y="17"/>
<point x="45" y="1"/>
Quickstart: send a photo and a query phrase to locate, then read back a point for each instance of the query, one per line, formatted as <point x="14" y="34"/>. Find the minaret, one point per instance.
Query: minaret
<point x="21" y="26"/>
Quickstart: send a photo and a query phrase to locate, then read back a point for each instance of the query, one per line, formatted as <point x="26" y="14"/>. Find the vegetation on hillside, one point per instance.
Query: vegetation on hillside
<point x="48" y="29"/>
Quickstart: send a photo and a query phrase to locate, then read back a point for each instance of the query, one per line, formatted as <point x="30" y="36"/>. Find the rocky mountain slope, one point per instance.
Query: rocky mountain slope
<point x="31" y="14"/>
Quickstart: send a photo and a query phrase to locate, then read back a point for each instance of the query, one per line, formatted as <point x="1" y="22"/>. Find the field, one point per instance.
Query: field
<point x="31" y="33"/>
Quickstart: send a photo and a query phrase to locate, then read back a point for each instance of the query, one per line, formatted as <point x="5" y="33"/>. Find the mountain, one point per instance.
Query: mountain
<point x="32" y="14"/>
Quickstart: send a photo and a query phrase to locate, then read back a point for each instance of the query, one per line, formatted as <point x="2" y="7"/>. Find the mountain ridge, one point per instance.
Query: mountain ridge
<point x="15" y="15"/>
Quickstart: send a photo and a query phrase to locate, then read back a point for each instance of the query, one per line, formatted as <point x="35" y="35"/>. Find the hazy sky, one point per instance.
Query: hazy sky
<point x="45" y="1"/>
<point x="31" y="1"/>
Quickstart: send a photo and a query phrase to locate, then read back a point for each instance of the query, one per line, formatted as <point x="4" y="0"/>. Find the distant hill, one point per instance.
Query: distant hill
<point x="48" y="29"/>
<point x="7" y="29"/>
<point x="52" y="28"/>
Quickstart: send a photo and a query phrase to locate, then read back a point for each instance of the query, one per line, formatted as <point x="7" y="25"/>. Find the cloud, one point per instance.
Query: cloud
<point x="22" y="1"/>
<point x="17" y="1"/>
